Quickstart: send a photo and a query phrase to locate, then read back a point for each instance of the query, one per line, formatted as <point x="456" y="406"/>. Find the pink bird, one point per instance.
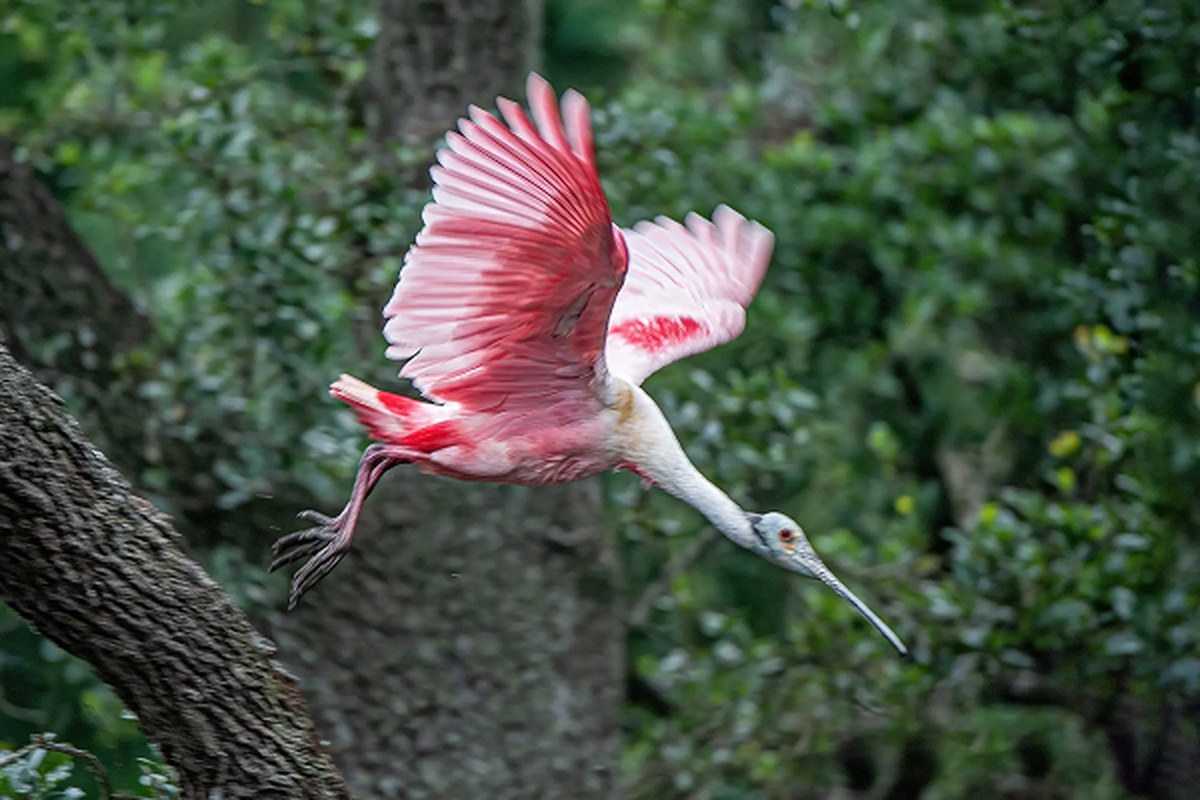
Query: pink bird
<point x="529" y="320"/>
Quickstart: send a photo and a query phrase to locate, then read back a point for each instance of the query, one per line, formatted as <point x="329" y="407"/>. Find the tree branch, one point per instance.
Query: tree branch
<point x="47" y="275"/>
<point x="99" y="571"/>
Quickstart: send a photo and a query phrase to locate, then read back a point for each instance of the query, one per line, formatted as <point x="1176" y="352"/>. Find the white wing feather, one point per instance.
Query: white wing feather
<point x="686" y="290"/>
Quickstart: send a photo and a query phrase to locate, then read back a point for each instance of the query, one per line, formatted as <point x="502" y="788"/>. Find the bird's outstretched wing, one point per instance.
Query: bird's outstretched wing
<point x="503" y="302"/>
<point x="686" y="291"/>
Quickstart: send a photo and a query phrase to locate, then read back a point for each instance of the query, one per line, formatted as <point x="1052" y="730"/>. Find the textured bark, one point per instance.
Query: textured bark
<point x="99" y="571"/>
<point x="468" y="646"/>
<point x="433" y="57"/>
<point x="472" y="643"/>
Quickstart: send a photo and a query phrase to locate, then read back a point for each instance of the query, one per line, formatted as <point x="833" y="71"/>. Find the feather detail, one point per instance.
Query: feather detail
<point x="686" y="291"/>
<point x="396" y="419"/>
<point x="503" y="302"/>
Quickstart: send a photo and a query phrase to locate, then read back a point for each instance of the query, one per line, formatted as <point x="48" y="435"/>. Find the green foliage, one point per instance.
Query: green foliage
<point x="972" y="372"/>
<point x="33" y="776"/>
<point x="234" y="197"/>
<point x="43" y="688"/>
<point x="985" y="281"/>
<point x="47" y="770"/>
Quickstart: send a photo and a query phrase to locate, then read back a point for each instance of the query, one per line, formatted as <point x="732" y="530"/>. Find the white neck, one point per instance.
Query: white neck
<point x="647" y="443"/>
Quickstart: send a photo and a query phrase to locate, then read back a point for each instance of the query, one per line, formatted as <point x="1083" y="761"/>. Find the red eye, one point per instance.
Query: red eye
<point x="786" y="535"/>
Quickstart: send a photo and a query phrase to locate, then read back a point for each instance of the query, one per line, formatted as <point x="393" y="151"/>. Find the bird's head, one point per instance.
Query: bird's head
<point x="781" y="541"/>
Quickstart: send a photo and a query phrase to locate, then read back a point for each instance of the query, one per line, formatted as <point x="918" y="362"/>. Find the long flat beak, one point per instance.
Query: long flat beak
<point x="821" y="572"/>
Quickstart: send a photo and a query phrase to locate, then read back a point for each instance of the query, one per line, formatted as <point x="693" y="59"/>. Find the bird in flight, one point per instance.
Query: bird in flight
<point x="528" y="320"/>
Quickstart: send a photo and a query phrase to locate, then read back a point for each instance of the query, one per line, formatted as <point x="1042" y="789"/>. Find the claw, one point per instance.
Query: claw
<point x="317" y="517"/>
<point x="317" y="568"/>
<point x="327" y="542"/>
<point x="324" y="545"/>
<point x="321" y="533"/>
<point x="294" y="552"/>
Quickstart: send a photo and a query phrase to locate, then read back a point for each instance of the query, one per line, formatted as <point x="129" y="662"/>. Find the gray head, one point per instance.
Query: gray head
<point x="781" y="541"/>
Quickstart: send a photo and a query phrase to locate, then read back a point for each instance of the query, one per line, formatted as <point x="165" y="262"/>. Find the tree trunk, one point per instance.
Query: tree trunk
<point x="62" y="317"/>
<point x="434" y="57"/>
<point x="472" y="644"/>
<point x="99" y="571"/>
<point x="47" y="276"/>
<point x="468" y="645"/>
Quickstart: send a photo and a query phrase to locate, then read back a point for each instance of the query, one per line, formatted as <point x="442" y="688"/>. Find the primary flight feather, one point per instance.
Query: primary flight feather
<point x="529" y="320"/>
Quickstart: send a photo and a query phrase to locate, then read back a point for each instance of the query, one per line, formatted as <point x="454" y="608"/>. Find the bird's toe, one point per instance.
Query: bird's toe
<point x="305" y="543"/>
<point x="294" y="551"/>
<point x="317" y="518"/>
<point x="301" y="538"/>
<point x="324" y="545"/>
<point x="317" y="568"/>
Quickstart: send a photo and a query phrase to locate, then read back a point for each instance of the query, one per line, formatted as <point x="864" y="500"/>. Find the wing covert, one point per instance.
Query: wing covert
<point x="503" y="301"/>
<point x="686" y="291"/>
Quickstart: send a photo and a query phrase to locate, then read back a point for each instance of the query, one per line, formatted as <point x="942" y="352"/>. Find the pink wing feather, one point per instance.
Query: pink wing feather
<point x="503" y="302"/>
<point x="686" y="291"/>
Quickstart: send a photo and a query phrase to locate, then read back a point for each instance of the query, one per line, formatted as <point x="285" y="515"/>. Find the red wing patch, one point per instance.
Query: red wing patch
<point x="659" y="332"/>
<point x="403" y="407"/>
<point x="433" y="437"/>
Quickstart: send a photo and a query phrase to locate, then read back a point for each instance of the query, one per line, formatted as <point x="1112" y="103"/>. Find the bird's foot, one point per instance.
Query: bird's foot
<point x="324" y="544"/>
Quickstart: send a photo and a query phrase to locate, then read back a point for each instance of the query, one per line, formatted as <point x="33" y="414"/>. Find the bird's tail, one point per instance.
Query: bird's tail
<point x="392" y="417"/>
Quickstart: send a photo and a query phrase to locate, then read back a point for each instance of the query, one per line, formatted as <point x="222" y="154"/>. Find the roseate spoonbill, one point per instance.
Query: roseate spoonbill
<point x="530" y="319"/>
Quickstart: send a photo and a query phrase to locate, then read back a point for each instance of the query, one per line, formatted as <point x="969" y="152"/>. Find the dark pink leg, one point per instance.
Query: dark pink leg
<point x="329" y="540"/>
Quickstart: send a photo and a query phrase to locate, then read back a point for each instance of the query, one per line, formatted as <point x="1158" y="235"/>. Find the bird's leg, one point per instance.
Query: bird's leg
<point x="327" y="542"/>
